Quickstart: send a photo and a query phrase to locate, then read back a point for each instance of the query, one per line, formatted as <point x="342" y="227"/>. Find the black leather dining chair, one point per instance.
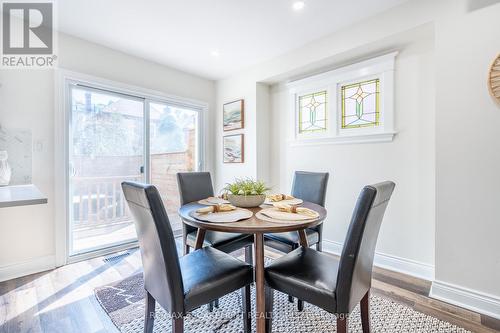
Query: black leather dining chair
<point x="335" y="285"/>
<point x="308" y="186"/>
<point x="180" y="285"/>
<point x="195" y="186"/>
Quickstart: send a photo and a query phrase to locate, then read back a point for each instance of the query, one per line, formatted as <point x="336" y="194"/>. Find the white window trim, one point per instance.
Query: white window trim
<point x="63" y="79"/>
<point x="381" y="67"/>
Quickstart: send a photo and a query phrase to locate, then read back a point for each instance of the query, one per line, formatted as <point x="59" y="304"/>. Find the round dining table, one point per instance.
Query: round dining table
<point x="258" y="227"/>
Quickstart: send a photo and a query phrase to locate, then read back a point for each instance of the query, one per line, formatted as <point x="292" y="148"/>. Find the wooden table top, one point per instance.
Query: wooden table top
<point x="252" y="225"/>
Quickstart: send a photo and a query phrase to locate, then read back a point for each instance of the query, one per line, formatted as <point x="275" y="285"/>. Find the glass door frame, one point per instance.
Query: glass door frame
<point x="111" y="246"/>
<point x="67" y="81"/>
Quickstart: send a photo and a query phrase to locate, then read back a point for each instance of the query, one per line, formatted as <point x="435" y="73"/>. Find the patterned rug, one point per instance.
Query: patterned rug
<point x="124" y="303"/>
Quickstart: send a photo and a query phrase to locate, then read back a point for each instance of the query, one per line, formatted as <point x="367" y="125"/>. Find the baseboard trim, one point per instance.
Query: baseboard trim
<point x="393" y="263"/>
<point x="27" y="267"/>
<point x="466" y="298"/>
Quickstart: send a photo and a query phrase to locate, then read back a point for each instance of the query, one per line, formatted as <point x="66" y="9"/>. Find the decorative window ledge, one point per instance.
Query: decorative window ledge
<point x="338" y="140"/>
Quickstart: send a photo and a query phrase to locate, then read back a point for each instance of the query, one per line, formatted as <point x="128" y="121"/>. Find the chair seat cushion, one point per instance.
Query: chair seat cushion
<point x="306" y="274"/>
<point x="292" y="237"/>
<point x="208" y="274"/>
<point x="224" y="241"/>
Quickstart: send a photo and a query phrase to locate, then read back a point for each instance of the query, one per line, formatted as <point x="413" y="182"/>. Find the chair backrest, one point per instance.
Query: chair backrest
<point x="310" y="186"/>
<point x="162" y="273"/>
<point x="194" y="186"/>
<point x="356" y="262"/>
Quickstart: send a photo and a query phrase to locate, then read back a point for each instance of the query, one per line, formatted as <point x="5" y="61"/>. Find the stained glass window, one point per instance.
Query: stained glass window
<point x="312" y="112"/>
<point x="361" y="104"/>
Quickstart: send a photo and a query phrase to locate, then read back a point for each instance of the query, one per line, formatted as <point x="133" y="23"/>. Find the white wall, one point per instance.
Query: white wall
<point x="408" y="228"/>
<point x="264" y="127"/>
<point x="257" y="126"/>
<point x="468" y="153"/>
<point x="27" y="101"/>
<point x="227" y="91"/>
<point x="27" y="233"/>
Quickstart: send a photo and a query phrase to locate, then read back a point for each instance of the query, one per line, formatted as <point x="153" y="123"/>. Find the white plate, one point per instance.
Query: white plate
<point x="222" y="217"/>
<point x="292" y="202"/>
<point x="211" y="201"/>
<point x="276" y="214"/>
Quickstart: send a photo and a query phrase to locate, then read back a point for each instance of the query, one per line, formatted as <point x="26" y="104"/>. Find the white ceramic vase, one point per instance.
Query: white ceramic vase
<point x="5" y="170"/>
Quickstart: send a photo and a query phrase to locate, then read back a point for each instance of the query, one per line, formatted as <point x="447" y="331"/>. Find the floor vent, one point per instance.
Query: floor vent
<point x="116" y="256"/>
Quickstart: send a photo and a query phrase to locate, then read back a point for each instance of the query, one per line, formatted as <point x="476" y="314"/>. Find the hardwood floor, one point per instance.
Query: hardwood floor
<point x="62" y="300"/>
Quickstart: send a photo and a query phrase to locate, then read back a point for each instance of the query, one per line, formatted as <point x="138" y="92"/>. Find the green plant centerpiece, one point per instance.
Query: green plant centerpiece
<point x="246" y="192"/>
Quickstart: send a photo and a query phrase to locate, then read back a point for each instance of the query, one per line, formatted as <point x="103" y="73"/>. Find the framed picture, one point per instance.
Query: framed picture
<point x="233" y="115"/>
<point x="234" y="148"/>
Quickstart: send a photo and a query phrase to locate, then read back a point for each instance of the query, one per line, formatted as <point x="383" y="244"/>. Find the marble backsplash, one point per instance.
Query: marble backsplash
<point x="19" y="145"/>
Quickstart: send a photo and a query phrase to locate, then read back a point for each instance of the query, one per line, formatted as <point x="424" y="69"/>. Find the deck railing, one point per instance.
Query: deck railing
<point x="99" y="201"/>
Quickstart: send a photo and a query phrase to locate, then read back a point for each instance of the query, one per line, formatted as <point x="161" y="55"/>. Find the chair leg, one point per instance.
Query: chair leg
<point x="342" y="323"/>
<point x="300" y="305"/>
<point x="294" y="246"/>
<point x="269" y="309"/>
<point x="210" y="306"/>
<point x="249" y="255"/>
<point x="247" y="309"/>
<point x="365" y="312"/>
<point x="319" y="245"/>
<point x="177" y="325"/>
<point x="184" y="239"/>
<point x="149" y="315"/>
<point x="216" y="303"/>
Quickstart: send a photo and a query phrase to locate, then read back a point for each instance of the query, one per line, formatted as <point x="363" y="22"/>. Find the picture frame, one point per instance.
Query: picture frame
<point x="233" y="148"/>
<point x="233" y="115"/>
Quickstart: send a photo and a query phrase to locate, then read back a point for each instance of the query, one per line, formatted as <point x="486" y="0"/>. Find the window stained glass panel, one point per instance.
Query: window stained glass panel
<point x="361" y="104"/>
<point x="312" y="112"/>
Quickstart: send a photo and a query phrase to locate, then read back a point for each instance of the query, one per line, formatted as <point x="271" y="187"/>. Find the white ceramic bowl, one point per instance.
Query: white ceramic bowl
<point x="246" y="200"/>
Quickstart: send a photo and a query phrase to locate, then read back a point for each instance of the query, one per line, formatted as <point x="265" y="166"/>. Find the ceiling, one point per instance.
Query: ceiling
<point x="184" y="34"/>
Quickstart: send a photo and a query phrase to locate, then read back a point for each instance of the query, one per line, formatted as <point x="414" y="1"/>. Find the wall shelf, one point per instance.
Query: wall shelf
<point x="21" y="195"/>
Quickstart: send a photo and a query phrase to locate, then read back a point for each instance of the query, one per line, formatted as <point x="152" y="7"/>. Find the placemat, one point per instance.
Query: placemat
<point x="223" y="217"/>
<point x="275" y="215"/>
<point x="212" y="201"/>
<point x="293" y="202"/>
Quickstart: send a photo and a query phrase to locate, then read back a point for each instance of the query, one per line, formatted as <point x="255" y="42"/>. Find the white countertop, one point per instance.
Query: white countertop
<point x="21" y="195"/>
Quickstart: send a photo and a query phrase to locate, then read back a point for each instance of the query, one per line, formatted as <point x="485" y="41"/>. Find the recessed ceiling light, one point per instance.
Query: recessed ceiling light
<point x="298" y="5"/>
<point x="215" y="53"/>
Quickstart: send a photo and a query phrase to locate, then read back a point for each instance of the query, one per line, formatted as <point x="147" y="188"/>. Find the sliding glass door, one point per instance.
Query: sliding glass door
<point x="107" y="147"/>
<point x="174" y="147"/>
<point x="115" y="137"/>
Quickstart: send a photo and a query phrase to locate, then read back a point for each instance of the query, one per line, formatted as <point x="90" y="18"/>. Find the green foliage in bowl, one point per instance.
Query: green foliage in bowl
<point x="246" y="187"/>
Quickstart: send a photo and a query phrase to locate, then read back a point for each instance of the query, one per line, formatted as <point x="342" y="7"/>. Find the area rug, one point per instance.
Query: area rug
<point x="124" y="303"/>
